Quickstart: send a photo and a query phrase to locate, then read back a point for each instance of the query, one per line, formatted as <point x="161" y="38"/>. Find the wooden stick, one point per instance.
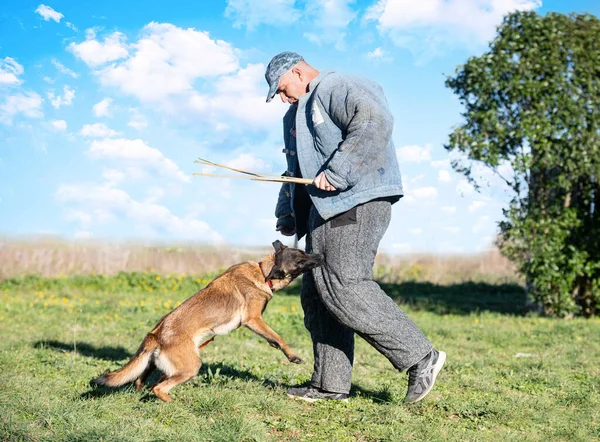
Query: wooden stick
<point x="275" y="179"/>
<point x="210" y="163"/>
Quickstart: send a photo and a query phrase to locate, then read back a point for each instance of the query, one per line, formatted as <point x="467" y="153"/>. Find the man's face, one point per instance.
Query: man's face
<point x="291" y="86"/>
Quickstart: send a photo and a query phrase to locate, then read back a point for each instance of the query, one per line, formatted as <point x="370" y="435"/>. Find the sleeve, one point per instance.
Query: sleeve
<point x="283" y="208"/>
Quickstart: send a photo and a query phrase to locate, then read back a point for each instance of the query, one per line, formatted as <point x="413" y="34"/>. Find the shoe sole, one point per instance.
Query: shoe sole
<point x="312" y="400"/>
<point x="436" y="369"/>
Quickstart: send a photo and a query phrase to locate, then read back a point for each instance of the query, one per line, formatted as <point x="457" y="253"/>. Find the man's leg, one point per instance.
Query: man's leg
<point x="347" y="290"/>
<point x="333" y="343"/>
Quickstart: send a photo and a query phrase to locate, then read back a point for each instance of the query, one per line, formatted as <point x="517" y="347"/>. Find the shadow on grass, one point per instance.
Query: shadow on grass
<point x="459" y="299"/>
<point x="220" y="373"/>
<point x="105" y="353"/>
<point x="217" y="370"/>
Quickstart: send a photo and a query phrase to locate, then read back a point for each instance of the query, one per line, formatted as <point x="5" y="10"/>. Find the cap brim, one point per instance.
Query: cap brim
<point x="272" y="91"/>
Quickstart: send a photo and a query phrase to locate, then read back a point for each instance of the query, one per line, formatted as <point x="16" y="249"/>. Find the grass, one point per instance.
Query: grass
<point x="509" y="376"/>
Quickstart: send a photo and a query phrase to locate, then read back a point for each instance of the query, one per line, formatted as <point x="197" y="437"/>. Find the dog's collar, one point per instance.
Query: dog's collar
<point x="269" y="283"/>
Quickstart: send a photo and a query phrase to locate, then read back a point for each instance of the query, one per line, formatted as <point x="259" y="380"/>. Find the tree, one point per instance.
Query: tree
<point x="532" y="107"/>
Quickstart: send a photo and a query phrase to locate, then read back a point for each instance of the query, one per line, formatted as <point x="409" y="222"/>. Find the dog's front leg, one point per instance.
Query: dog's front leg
<point x="260" y="327"/>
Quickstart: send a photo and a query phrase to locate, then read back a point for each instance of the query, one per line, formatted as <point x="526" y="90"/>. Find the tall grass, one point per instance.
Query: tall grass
<point x="52" y="257"/>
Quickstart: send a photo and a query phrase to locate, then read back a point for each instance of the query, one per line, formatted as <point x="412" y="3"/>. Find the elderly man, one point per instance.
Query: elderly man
<point x="338" y="130"/>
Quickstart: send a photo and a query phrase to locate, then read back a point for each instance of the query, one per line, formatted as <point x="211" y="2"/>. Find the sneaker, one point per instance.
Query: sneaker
<point x="313" y="394"/>
<point x="421" y="376"/>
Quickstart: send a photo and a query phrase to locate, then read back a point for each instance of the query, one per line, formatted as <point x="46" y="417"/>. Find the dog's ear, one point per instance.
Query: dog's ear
<point x="278" y="246"/>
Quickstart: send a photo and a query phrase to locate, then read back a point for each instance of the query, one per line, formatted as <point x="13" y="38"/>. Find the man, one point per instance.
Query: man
<point x="338" y="130"/>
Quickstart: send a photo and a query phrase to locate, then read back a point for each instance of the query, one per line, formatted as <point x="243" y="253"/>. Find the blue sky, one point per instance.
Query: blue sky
<point x="104" y="106"/>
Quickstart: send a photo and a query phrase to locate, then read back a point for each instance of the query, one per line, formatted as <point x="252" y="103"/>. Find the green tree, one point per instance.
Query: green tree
<point x="532" y="107"/>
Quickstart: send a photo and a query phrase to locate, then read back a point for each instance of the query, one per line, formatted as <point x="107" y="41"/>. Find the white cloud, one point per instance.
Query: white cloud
<point x="10" y="71"/>
<point x="409" y="182"/>
<point x="379" y="54"/>
<point x="101" y="109"/>
<point x="78" y="216"/>
<point x="416" y="231"/>
<point x="441" y="164"/>
<point x="113" y="176"/>
<point x="138" y="154"/>
<point x="452" y="229"/>
<point x="48" y="13"/>
<point x="95" y="54"/>
<point x="427" y="25"/>
<point x="330" y="19"/>
<point x="147" y="216"/>
<point x="97" y="130"/>
<point x="62" y="68"/>
<point x="444" y="176"/>
<point x="26" y="103"/>
<point x="163" y="70"/>
<point x="426" y="194"/>
<point x="165" y="62"/>
<point x="248" y="162"/>
<point x="66" y="100"/>
<point x="484" y="176"/>
<point x="71" y="26"/>
<point x="476" y="205"/>
<point x="59" y="124"/>
<point x="464" y="188"/>
<point x="138" y="121"/>
<point x="251" y="13"/>
<point x="246" y="89"/>
<point x="413" y="154"/>
<point x="483" y="224"/>
<point x="155" y="193"/>
<point x="448" y="209"/>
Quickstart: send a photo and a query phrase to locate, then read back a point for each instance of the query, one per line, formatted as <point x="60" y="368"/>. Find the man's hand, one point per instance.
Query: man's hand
<point x="322" y="183"/>
<point x="286" y="231"/>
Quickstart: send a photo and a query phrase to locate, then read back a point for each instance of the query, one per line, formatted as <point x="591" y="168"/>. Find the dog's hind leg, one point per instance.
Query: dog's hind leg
<point x="139" y="382"/>
<point x="183" y="363"/>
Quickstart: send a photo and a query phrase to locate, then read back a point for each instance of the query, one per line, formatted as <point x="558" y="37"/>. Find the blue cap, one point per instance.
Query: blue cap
<point x="278" y="66"/>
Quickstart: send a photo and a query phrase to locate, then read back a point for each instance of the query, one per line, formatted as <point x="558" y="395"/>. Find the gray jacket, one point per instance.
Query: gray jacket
<point x="342" y="126"/>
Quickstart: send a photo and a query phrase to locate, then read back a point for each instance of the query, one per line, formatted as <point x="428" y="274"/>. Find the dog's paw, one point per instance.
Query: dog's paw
<point x="296" y="359"/>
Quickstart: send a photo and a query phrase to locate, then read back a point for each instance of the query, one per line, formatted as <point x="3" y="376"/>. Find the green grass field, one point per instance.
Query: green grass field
<point x="508" y="376"/>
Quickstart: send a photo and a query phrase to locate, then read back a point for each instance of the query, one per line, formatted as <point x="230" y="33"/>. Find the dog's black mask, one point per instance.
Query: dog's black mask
<point x="292" y="262"/>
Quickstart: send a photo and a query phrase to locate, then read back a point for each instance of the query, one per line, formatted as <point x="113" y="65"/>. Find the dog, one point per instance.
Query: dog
<point x="237" y="297"/>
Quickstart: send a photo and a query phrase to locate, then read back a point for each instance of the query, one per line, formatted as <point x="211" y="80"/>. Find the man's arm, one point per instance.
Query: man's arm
<point x="286" y="223"/>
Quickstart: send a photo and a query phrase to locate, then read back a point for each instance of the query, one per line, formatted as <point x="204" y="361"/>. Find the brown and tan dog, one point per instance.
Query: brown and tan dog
<point x="237" y="297"/>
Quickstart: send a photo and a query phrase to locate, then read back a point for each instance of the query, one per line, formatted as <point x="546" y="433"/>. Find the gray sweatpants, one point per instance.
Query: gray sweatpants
<point x="340" y="298"/>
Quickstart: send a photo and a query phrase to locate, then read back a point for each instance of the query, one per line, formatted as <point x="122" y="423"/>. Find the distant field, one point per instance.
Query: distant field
<point x="53" y="257"/>
<point x="508" y="376"/>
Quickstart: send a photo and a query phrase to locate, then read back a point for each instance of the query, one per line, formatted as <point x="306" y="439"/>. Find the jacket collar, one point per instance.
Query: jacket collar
<point x="315" y="81"/>
<point x="313" y="84"/>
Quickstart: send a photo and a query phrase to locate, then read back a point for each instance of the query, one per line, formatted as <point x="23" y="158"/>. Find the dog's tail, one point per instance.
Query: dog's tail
<point x="134" y="368"/>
